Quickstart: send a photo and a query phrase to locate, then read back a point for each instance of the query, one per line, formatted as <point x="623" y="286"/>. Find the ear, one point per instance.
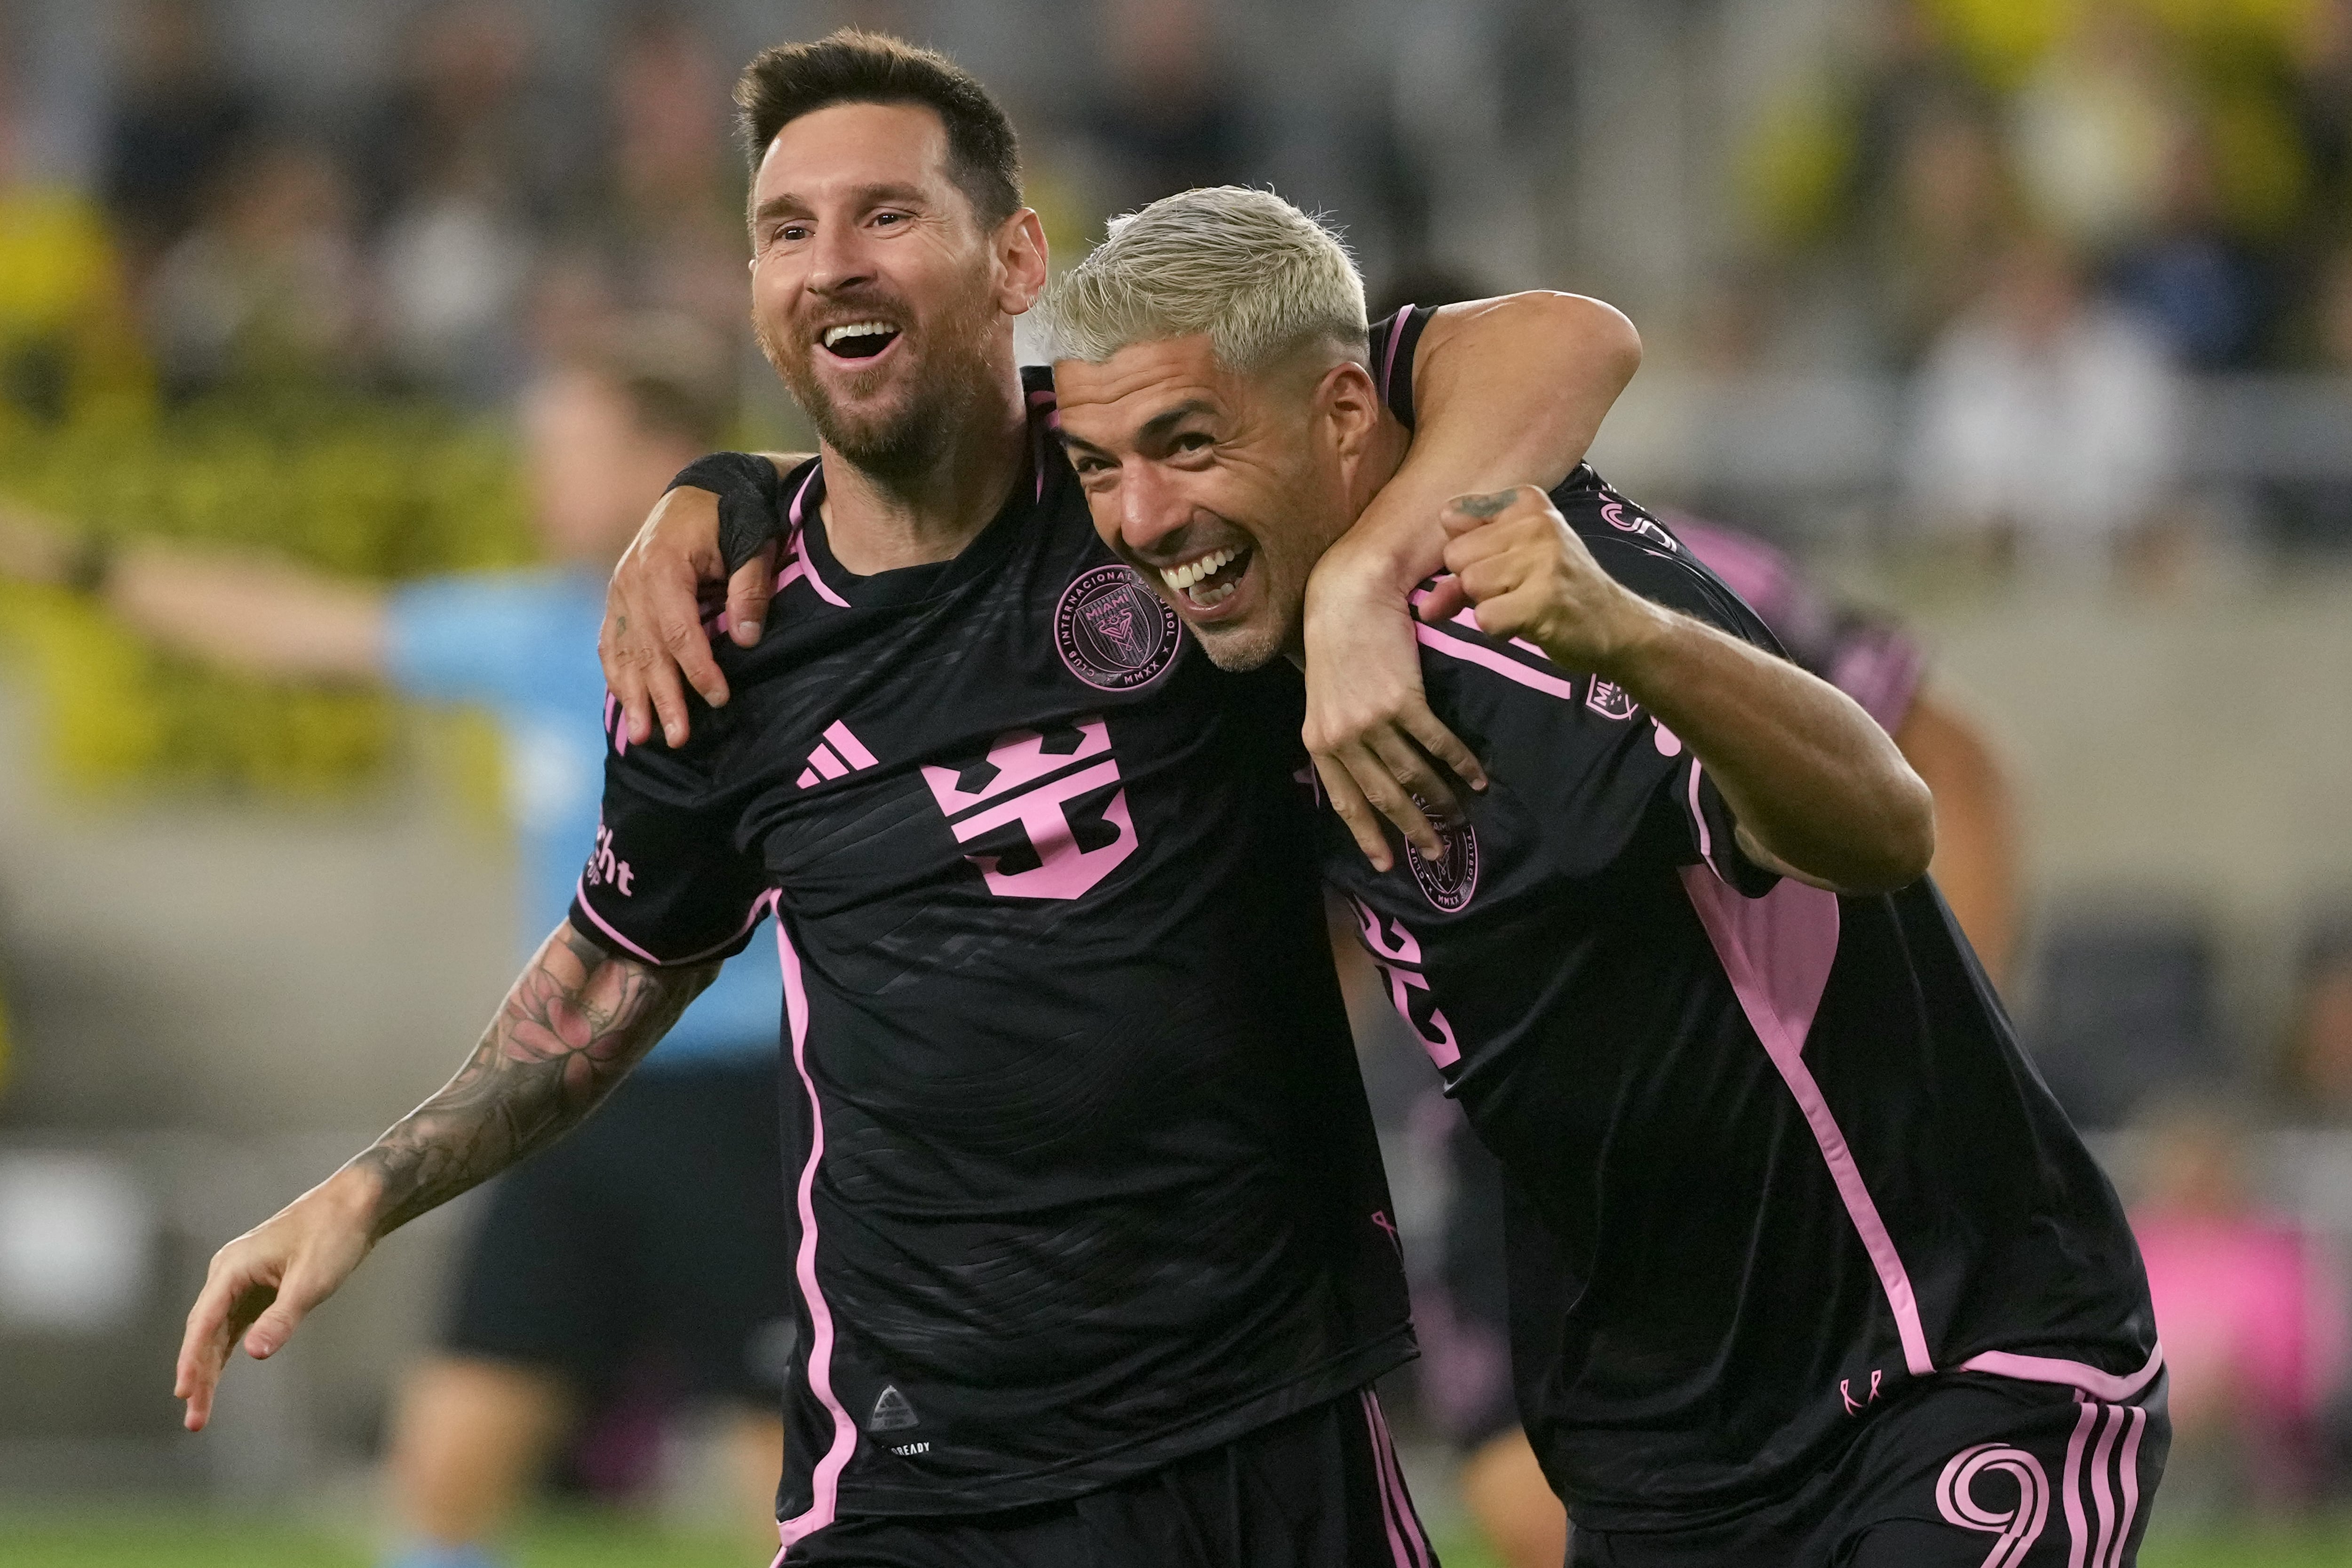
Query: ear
<point x="1020" y="261"/>
<point x="1350" y="405"/>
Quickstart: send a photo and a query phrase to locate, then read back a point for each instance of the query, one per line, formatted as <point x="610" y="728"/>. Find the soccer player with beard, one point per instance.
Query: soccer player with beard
<point x="1806" y="1265"/>
<point x="1092" y="1253"/>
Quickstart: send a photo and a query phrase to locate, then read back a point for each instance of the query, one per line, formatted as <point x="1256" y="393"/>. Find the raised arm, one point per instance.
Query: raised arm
<point x="1508" y="391"/>
<point x="572" y="1027"/>
<point x="246" y="611"/>
<point x="1820" y="790"/>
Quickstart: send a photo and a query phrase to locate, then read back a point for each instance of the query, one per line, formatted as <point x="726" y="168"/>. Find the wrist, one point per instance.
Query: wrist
<point x="1637" y="646"/>
<point x="352" y="1197"/>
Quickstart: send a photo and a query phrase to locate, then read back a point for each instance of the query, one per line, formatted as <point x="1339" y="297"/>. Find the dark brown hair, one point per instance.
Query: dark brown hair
<point x="853" y="66"/>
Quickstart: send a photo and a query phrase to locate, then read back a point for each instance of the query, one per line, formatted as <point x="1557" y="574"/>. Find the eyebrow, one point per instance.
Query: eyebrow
<point x="1155" y="428"/>
<point x="865" y="196"/>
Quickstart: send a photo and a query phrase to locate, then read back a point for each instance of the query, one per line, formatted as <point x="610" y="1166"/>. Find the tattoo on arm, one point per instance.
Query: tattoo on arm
<point x="1489" y="505"/>
<point x="573" y="1026"/>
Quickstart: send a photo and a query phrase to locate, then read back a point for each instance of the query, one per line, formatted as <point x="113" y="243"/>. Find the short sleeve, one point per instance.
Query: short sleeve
<point x="1686" y="813"/>
<point x="496" y="637"/>
<point x="667" y="880"/>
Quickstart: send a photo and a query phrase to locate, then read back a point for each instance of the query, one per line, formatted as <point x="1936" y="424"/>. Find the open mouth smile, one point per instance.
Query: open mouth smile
<point x="1207" y="580"/>
<point x="857" y="341"/>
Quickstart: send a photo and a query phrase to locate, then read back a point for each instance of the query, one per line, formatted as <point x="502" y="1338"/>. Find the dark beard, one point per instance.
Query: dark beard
<point x="903" y="444"/>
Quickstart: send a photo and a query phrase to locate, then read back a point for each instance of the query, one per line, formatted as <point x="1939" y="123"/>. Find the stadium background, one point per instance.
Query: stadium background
<point x="271" y="270"/>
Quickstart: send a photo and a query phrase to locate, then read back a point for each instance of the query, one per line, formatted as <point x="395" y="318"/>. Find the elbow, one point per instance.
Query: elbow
<point x="1904" y="843"/>
<point x="1600" y="333"/>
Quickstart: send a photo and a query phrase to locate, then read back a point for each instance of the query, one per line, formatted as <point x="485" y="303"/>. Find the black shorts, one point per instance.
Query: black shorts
<point x="1962" y="1471"/>
<point x="1318" y="1489"/>
<point x="655" y="1227"/>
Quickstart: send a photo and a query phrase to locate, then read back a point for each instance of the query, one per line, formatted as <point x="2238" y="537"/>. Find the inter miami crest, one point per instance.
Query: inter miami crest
<point x="1114" y="633"/>
<point x="1449" y="880"/>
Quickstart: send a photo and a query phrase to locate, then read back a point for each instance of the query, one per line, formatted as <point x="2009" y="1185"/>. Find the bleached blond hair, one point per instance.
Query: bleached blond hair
<point x="1261" y="277"/>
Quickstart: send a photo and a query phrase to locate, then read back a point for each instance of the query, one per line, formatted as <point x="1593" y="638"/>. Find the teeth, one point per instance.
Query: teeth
<point x="1183" y="577"/>
<point x="1216" y="596"/>
<point x="856" y="330"/>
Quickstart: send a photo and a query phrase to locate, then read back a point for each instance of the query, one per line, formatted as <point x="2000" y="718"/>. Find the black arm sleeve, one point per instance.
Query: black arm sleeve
<point x="750" y="501"/>
<point x="667" y="881"/>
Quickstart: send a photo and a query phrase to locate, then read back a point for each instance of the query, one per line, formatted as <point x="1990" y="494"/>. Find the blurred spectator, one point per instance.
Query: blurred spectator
<point x="2254" y="1316"/>
<point x="2318" y="1059"/>
<point x="68" y="343"/>
<point x="463" y="169"/>
<point x="178" y="118"/>
<point x="663" y="220"/>
<point x="265" y="296"/>
<point x="2090" y="127"/>
<point x="1170" y="116"/>
<point x="2188" y="274"/>
<point x="2047" y="421"/>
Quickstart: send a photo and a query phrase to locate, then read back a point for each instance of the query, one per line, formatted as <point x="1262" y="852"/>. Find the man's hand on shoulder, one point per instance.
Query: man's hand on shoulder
<point x="653" y="644"/>
<point x="1369" y="732"/>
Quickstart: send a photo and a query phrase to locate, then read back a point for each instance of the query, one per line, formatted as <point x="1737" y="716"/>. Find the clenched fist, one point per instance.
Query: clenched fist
<point x="1515" y="559"/>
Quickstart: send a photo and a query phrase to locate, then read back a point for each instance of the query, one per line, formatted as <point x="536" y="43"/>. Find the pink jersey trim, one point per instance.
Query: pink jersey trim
<point x="825" y="1480"/>
<point x="1388" y="364"/>
<point x="801" y="566"/>
<point x="1777" y="951"/>
<point x="580" y="891"/>
<point x="2114" y="1387"/>
<point x="1487" y="658"/>
<point x="760" y="906"/>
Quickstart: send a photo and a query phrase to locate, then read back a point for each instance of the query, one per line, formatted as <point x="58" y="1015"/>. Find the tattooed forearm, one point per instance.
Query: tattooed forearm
<point x="573" y="1026"/>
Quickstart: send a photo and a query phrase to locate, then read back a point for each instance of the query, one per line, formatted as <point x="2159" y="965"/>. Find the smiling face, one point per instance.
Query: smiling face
<point x="876" y="292"/>
<point x="1223" y="490"/>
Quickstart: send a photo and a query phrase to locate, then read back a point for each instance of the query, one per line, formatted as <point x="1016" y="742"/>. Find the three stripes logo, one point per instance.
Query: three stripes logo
<point x="838" y="755"/>
<point x="893" y="1410"/>
<point x="2098" y="1492"/>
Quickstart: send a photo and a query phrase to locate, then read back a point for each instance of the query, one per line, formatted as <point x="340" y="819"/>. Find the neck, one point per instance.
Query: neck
<point x="1384" y="454"/>
<point x="878" y="525"/>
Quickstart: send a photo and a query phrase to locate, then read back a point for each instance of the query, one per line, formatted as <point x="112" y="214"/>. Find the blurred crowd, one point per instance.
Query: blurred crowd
<point x="2049" y="214"/>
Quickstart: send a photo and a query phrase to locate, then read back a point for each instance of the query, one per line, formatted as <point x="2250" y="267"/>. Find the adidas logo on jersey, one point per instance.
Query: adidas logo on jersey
<point x="893" y="1410"/>
<point x="839" y="753"/>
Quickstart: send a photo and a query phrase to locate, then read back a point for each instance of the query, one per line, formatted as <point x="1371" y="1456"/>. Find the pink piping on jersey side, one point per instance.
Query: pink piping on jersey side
<point x="1777" y="951"/>
<point x="825" y="1480"/>
<point x="1411" y="1515"/>
<point x="848" y="745"/>
<point x="1487" y="658"/>
<point x="1396" y="336"/>
<point x="800" y="548"/>
<point x="2070" y="1488"/>
<point x="2114" y="1387"/>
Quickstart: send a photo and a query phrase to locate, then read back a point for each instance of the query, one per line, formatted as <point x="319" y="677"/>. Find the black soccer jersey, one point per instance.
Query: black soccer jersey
<point x="1081" y="1175"/>
<point x="1775" y="1155"/>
